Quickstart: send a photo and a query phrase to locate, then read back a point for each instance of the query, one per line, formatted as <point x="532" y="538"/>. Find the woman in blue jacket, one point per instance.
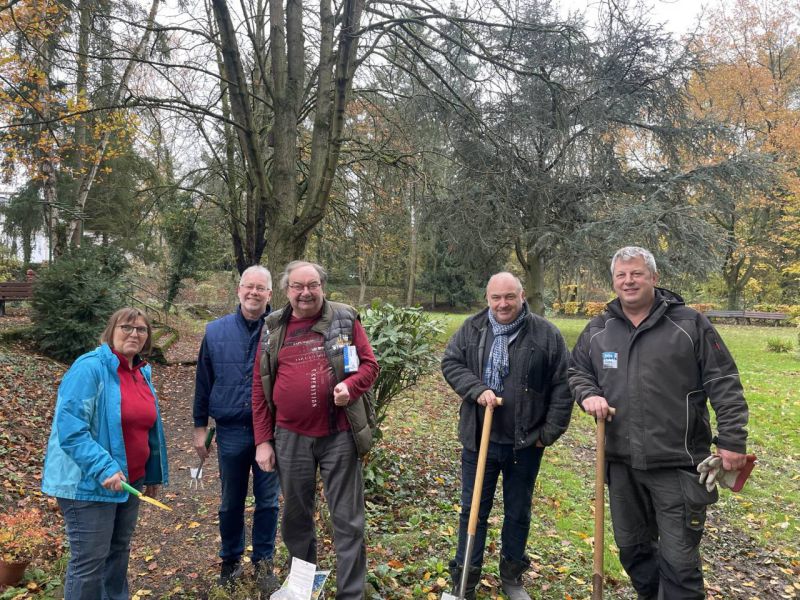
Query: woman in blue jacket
<point x="107" y="429"/>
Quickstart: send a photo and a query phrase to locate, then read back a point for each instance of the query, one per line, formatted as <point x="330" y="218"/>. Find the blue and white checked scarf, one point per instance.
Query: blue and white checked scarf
<point x="497" y="365"/>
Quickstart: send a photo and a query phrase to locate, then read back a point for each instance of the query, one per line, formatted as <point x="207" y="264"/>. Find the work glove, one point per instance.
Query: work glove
<point x="712" y="473"/>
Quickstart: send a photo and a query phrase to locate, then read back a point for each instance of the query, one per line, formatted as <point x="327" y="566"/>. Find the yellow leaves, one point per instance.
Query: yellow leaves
<point x="141" y="594"/>
<point x="193" y="525"/>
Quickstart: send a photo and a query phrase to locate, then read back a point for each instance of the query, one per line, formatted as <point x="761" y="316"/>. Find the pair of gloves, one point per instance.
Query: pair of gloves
<point x="712" y="473"/>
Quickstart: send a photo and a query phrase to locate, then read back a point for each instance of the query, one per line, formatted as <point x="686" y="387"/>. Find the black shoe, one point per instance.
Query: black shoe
<point x="266" y="580"/>
<point x="473" y="578"/>
<point x="229" y="572"/>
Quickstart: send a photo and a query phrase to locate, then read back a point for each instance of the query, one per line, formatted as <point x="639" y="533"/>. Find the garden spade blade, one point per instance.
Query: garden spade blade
<point x="197" y="474"/>
<point x="132" y="490"/>
<point x="472" y="525"/>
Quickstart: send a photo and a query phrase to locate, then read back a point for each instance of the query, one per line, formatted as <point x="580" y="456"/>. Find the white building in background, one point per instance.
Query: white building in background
<point x="39" y="252"/>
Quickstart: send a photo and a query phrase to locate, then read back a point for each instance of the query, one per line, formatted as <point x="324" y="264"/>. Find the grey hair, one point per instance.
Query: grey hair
<point x="520" y="287"/>
<point x="629" y="252"/>
<point x="296" y="264"/>
<point x="261" y="271"/>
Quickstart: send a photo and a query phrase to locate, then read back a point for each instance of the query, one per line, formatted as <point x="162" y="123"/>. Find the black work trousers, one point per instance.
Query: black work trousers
<point x="658" y="518"/>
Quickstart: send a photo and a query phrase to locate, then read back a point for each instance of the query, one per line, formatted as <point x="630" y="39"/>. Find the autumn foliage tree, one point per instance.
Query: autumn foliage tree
<point x="751" y="83"/>
<point x="60" y="97"/>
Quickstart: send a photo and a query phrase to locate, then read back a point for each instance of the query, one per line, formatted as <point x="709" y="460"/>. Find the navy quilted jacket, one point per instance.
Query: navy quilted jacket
<point x="224" y="379"/>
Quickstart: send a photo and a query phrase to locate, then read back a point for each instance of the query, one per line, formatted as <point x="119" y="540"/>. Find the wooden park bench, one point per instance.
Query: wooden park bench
<point x="747" y="316"/>
<point x="14" y="290"/>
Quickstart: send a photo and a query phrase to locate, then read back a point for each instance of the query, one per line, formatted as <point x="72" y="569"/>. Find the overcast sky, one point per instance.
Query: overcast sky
<point x="678" y="16"/>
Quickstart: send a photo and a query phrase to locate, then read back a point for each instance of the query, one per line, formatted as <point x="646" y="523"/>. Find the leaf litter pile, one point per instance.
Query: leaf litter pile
<point x="412" y="504"/>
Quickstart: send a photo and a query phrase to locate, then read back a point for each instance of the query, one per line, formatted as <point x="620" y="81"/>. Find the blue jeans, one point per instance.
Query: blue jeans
<point x="519" y="469"/>
<point x="236" y="452"/>
<point x="99" y="536"/>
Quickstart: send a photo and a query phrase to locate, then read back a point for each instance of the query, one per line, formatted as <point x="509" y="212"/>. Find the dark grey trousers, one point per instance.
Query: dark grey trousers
<point x="658" y="518"/>
<point x="298" y="458"/>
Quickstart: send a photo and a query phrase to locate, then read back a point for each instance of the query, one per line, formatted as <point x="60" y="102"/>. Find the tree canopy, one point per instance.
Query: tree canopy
<point x="408" y="143"/>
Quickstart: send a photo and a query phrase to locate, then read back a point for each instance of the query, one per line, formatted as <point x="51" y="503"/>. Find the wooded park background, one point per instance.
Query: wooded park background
<point x="410" y="144"/>
<point x="150" y="151"/>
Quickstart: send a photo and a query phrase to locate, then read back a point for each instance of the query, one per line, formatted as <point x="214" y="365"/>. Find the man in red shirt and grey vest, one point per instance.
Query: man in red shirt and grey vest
<point x="314" y="364"/>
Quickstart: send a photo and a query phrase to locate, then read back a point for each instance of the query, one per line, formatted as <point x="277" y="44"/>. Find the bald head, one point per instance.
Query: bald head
<point x="505" y="296"/>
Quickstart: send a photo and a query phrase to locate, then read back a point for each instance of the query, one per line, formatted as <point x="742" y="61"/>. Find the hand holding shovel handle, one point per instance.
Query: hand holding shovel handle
<point x="472" y="525"/>
<point x="599" y="507"/>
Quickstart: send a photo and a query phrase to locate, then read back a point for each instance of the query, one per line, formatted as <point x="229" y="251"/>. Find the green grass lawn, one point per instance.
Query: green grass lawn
<point x="765" y="513"/>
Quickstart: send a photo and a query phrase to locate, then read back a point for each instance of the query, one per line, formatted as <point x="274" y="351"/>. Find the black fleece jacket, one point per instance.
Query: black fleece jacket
<point x="659" y="377"/>
<point x="538" y="361"/>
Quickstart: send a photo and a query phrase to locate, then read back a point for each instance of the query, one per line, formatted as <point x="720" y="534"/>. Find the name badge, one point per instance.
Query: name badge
<point x="350" y="359"/>
<point x="610" y="360"/>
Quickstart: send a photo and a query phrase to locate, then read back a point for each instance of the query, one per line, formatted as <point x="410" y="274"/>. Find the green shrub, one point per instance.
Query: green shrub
<point x="779" y="345"/>
<point x="9" y="265"/>
<point x="73" y="299"/>
<point x="403" y="340"/>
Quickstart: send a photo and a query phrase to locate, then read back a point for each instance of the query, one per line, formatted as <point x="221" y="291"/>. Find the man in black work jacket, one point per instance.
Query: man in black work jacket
<point x="658" y="362"/>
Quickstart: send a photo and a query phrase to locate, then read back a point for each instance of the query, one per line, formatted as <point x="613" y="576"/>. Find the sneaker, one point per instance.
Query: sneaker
<point x="229" y="572"/>
<point x="266" y="580"/>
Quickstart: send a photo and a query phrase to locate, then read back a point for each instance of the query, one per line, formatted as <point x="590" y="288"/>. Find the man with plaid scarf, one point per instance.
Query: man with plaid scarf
<point x="505" y="351"/>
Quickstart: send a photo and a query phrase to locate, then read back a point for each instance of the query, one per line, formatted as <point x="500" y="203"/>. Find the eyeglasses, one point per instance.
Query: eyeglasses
<point x="254" y="288"/>
<point x="129" y="329"/>
<point x="299" y="287"/>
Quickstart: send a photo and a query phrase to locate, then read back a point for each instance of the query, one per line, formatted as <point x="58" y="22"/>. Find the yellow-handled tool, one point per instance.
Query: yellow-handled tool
<point x="132" y="490"/>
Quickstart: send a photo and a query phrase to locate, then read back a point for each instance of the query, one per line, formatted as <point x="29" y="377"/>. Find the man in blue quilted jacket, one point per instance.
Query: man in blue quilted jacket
<point x="223" y="391"/>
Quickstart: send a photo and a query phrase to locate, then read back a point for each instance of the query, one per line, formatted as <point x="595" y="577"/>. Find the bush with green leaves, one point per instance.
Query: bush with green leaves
<point x="403" y="340"/>
<point x="73" y="299"/>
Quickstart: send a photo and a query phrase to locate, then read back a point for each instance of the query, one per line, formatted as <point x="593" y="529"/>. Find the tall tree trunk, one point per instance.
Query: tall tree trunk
<point x="45" y="50"/>
<point x="412" y="250"/>
<point x="88" y="178"/>
<point x="81" y="78"/>
<point x="532" y="261"/>
<point x="286" y="208"/>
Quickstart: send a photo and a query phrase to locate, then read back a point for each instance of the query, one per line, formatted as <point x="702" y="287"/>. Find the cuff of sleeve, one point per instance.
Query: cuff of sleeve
<point x="108" y="472"/>
<point x="730" y="445"/>
<point x="474" y="397"/>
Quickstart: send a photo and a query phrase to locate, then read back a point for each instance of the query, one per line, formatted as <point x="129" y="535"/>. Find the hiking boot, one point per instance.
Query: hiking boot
<point x="473" y="577"/>
<point x="511" y="578"/>
<point x="266" y="580"/>
<point x="229" y="572"/>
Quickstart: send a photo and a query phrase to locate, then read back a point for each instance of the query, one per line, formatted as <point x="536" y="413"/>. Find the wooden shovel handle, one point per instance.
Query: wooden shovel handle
<point x="599" y="507"/>
<point x="483" y="450"/>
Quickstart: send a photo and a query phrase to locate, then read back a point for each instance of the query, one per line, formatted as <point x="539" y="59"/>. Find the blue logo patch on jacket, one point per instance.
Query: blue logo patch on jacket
<point x="610" y="360"/>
